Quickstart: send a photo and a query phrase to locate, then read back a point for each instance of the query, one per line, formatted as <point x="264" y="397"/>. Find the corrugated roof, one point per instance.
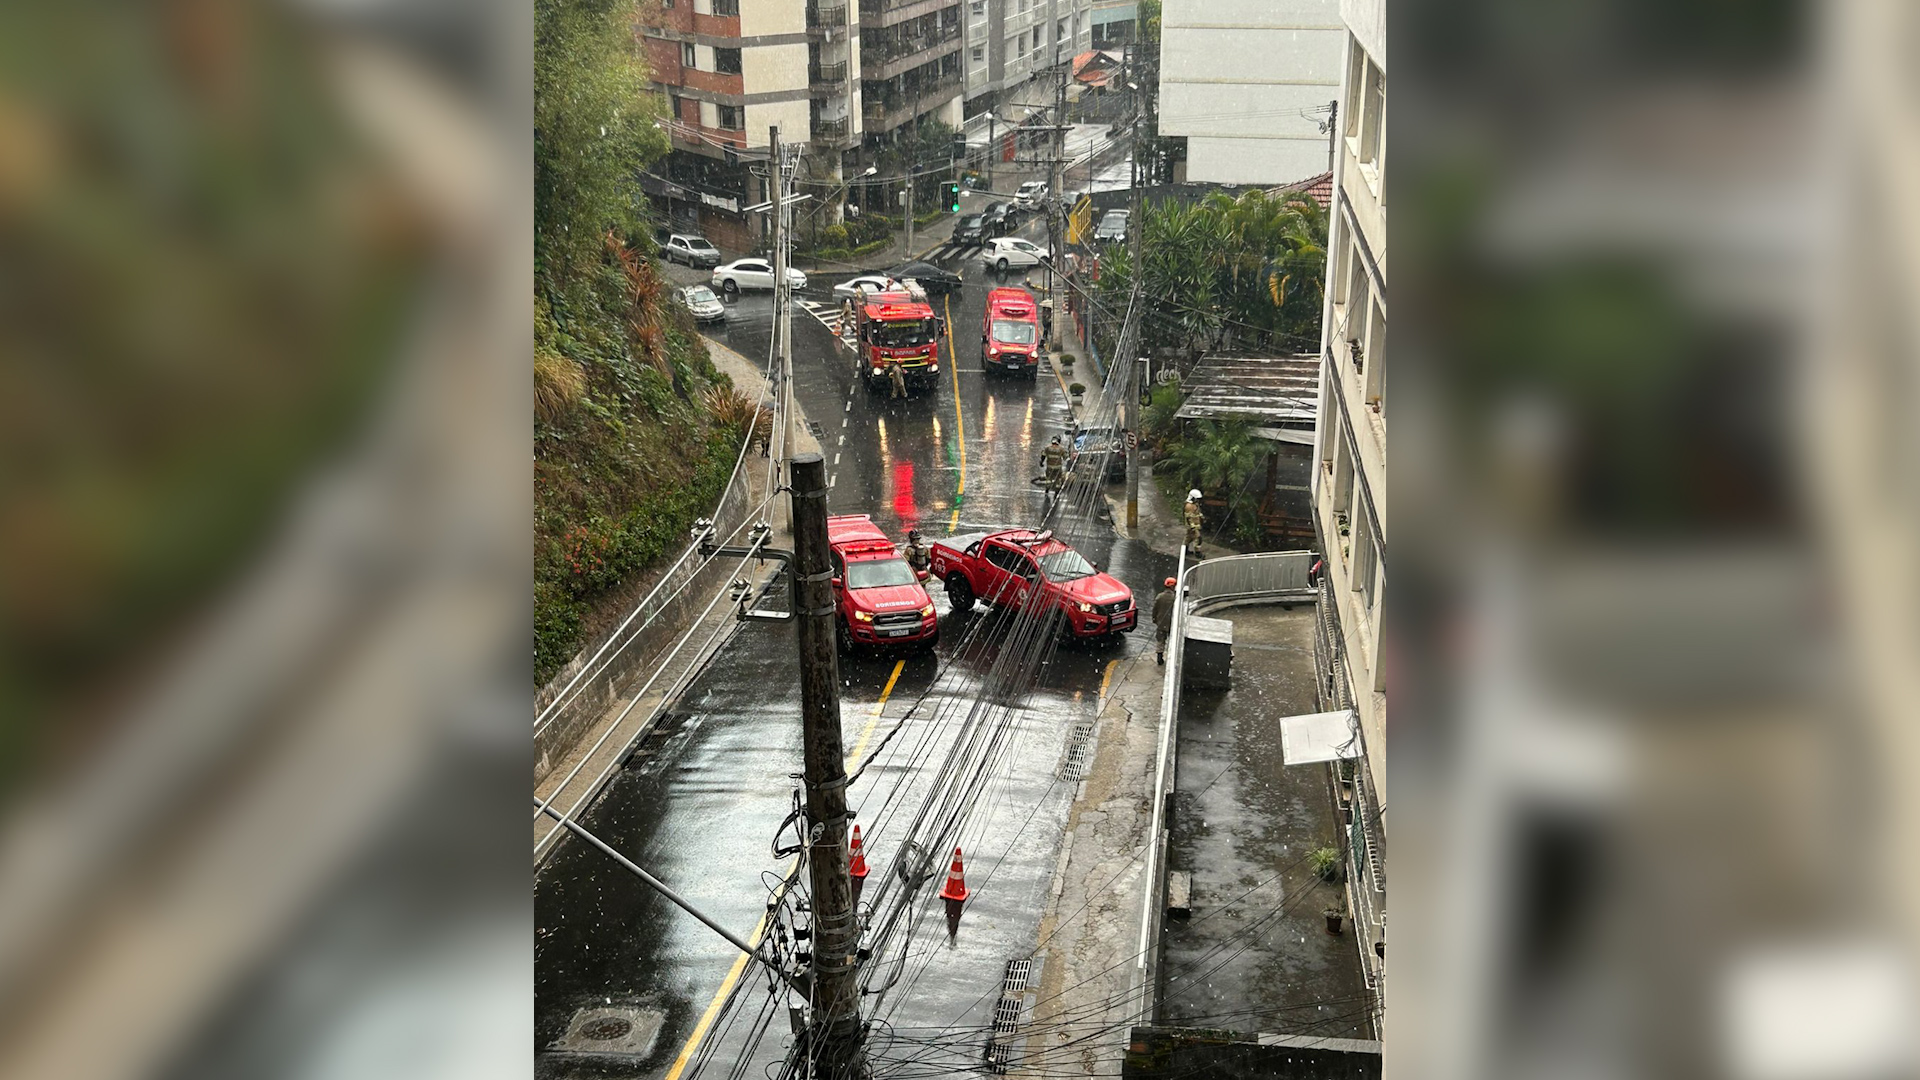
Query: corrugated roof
<point x="1274" y="391"/>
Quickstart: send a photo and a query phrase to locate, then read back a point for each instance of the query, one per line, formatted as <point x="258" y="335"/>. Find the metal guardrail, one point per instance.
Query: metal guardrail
<point x="1271" y="575"/>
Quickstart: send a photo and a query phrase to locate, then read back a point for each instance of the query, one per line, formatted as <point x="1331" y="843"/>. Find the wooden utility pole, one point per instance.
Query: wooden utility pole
<point x="834" y="1030"/>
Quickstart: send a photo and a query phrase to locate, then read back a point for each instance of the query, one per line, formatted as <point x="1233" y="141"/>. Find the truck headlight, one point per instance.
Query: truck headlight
<point x="876" y="372"/>
<point x="1085" y="607"/>
<point x="863" y="616"/>
<point x="927" y="612"/>
<point x="934" y="367"/>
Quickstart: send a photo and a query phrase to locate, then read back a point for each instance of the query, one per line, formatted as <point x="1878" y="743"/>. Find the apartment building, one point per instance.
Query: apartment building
<point x="1350" y="471"/>
<point x="909" y="64"/>
<point x="731" y="69"/>
<point x="1009" y="42"/>
<point x="1247" y="83"/>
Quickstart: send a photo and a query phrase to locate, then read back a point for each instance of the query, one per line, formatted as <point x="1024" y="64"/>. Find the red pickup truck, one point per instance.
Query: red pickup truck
<point x="1020" y="568"/>
<point x="878" y="596"/>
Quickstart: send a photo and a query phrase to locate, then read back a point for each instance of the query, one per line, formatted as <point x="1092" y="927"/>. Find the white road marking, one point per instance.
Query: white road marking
<point x="836" y="461"/>
<point x="843" y="420"/>
<point x="849" y="407"/>
<point x="843" y="440"/>
<point x="831" y="480"/>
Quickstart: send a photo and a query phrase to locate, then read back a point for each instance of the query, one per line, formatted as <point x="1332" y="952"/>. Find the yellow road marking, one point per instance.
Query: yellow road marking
<point x="873" y="718"/>
<point x="1105" y="678"/>
<point x="959" y="427"/>
<point x="760" y="931"/>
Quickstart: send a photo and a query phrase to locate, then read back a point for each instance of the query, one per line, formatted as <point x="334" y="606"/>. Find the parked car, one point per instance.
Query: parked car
<point x="1112" y="228"/>
<point x="999" y="219"/>
<point x="856" y="289"/>
<point x="1019" y="568"/>
<point x="936" y="281"/>
<point x="1009" y="252"/>
<point x="705" y="306"/>
<point x="1091" y="445"/>
<point x="971" y="229"/>
<point x="752" y="274"/>
<point x="692" y="249"/>
<point x="1031" y="195"/>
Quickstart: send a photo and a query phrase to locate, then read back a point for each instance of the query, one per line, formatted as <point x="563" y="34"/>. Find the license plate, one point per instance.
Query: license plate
<point x="898" y="633"/>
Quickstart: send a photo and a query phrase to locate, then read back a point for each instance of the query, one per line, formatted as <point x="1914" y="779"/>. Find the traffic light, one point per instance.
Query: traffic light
<point x="950" y="195"/>
<point x="959" y="147"/>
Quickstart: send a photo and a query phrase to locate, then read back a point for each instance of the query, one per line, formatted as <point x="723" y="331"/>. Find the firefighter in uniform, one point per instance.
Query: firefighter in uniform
<point x="1194" y="520"/>
<point x="897" y="379"/>
<point x="918" y="557"/>
<point x="1163" y="620"/>
<point x="1055" y="457"/>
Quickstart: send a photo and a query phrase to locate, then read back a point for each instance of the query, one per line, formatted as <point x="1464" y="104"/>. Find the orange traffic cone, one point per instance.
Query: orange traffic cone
<point x="956" y="881"/>
<point x="955" y="894"/>
<point x="859" y="866"/>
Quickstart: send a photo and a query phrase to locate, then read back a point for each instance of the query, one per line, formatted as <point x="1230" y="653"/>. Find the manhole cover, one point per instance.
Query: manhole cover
<point x="626" y="1030"/>
<point x="607" y="1027"/>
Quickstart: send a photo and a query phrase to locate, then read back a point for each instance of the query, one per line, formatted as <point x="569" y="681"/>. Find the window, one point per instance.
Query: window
<point x="1372" y="115"/>
<point x="1364" y="558"/>
<point x="1356" y="74"/>
<point x="1066" y="565"/>
<point x="726" y="61"/>
<point x="1060" y="31"/>
<point x="879" y="574"/>
<point x="727" y="8"/>
<point x="688" y="57"/>
<point x="1023" y="43"/>
<point x="979" y="7"/>
<point x="733" y="117"/>
<point x="979" y="53"/>
<point x="1375" y="388"/>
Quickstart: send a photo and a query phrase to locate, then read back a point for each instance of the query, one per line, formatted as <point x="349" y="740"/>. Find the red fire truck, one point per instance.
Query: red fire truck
<point x="897" y="328"/>
<point x="1010" y="332"/>
<point x="878" y="597"/>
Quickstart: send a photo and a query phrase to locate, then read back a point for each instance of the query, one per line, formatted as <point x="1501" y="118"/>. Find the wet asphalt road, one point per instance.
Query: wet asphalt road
<point x="700" y="803"/>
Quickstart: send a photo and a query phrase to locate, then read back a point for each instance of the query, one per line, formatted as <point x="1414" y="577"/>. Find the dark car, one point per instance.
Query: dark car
<point x="1091" y="445"/>
<point x="936" y="281"/>
<point x="971" y="229"/>
<point x="999" y="220"/>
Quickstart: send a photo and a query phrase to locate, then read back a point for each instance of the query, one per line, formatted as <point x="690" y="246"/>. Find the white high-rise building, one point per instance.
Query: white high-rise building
<point x="1247" y="83"/>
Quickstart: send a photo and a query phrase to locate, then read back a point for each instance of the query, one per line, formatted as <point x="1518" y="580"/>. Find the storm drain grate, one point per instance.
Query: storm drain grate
<point x="1079" y="749"/>
<point x="814" y="426"/>
<point x="1006" y="1014"/>
<point x="1017" y="972"/>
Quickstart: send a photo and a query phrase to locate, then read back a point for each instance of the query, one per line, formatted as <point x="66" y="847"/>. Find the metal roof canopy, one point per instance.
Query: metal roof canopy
<point x="1278" y="392"/>
<point x="1327" y="736"/>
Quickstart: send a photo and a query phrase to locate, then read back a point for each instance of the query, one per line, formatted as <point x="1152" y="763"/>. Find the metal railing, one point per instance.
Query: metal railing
<point x="827" y="73"/>
<point x="830" y="129"/>
<point x="836" y="15"/>
<point x="1259" y="578"/>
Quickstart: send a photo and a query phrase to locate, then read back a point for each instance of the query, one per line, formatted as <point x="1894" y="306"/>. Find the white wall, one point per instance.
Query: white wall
<point x="1367" y="19"/>
<point x="775" y="17"/>
<point x="771" y="68"/>
<point x="792" y="116"/>
<point x="1244" y="72"/>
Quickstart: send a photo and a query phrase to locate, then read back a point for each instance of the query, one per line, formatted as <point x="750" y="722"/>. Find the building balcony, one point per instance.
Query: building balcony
<point x="826" y="16"/>
<point x="886" y="111"/>
<point x="833" y="132"/>
<point x="827" y="78"/>
<point x="896" y="58"/>
<point x="878" y="13"/>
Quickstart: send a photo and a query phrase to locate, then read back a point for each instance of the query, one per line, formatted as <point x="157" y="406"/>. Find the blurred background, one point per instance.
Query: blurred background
<point x="1654" y="646"/>
<point x="264" y="555"/>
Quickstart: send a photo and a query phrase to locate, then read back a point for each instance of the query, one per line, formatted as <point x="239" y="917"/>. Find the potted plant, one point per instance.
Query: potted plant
<point x="1066" y="363"/>
<point x="1076" y="390"/>
<point x="1334" y="916"/>
<point x="1327" y="864"/>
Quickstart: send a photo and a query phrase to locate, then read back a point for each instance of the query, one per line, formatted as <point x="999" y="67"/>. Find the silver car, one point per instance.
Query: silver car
<point x="705" y="306"/>
<point x="1112" y="228"/>
<point x="691" y="249"/>
<point x="752" y="274"/>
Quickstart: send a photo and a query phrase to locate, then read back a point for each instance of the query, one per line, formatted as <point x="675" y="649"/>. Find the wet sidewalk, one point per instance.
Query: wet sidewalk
<point x="1255" y="954"/>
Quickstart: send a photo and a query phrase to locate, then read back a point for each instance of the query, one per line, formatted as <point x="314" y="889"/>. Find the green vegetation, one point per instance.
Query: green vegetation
<point x="1245" y="274"/>
<point x="1328" y="866"/>
<point x="1220" y="457"/>
<point x="635" y="434"/>
<point x="208" y="278"/>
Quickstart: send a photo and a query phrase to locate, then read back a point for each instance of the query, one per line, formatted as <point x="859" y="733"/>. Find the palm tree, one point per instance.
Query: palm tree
<point x="1219" y="457"/>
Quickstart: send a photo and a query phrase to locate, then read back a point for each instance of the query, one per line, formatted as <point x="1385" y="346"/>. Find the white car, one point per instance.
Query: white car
<point x="856" y="289"/>
<point x="705" y="306"/>
<point x="1031" y="195"/>
<point x="1007" y="252"/>
<point x="752" y="274"/>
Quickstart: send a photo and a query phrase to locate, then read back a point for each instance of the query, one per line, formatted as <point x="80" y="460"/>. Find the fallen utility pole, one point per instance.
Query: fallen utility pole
<point x="1136" y="225"/>
<point x="834" y="1030"/>
<point x="662" y="888"/>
